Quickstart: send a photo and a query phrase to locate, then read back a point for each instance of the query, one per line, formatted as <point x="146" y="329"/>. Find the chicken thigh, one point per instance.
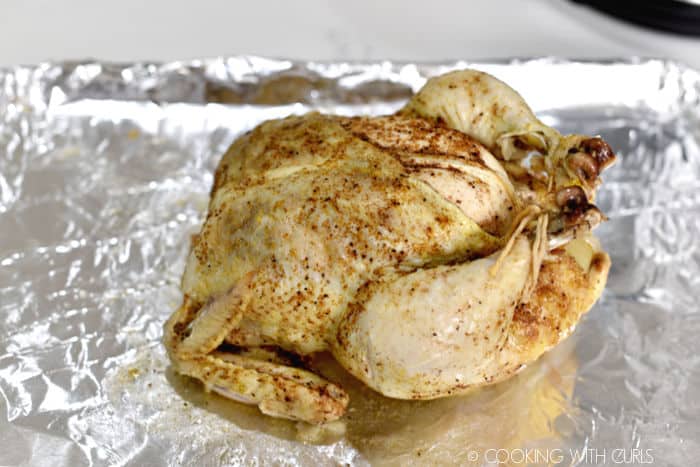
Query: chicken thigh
<point x="431" y="251"/>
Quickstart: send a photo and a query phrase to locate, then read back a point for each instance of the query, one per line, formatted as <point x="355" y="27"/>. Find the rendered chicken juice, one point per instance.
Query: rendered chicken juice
<point x="431" y="251"/>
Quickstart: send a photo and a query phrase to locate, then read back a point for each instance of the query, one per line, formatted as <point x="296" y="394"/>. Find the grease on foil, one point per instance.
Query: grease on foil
<point x="105" y="171"/>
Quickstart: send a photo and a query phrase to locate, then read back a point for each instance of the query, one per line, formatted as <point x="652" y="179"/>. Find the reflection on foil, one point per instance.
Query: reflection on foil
<point x="104" y="174"/>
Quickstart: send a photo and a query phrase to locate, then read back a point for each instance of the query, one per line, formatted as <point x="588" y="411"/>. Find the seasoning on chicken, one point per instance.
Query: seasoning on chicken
<point x="431" y="251"/>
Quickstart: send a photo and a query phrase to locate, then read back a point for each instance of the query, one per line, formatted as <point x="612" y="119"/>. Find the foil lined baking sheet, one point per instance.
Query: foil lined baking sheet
<point x="104" y="175"/>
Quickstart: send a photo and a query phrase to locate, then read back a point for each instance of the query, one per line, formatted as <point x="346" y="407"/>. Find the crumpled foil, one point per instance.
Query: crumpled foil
<point x="105" y="171"/>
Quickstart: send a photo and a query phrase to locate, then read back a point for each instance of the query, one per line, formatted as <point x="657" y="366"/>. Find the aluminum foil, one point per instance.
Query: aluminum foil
<point x="105" y="171"/>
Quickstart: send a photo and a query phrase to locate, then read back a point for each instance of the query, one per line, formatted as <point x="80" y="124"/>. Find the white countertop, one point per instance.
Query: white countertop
<point x="36" y="30"/>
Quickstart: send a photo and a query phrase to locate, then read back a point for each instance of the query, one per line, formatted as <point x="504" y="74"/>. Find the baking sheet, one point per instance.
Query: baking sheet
<point x="105" y="171"/>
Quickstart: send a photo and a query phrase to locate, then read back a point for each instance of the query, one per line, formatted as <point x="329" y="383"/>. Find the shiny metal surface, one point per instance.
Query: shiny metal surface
<point x="104" y="174"/>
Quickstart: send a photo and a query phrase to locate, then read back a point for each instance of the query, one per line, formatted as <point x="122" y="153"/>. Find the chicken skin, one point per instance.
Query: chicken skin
<point x="431" y="251"/>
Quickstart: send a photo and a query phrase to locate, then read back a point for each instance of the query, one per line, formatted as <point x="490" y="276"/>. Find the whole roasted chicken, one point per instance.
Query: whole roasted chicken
<point x="431" y="251"/>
